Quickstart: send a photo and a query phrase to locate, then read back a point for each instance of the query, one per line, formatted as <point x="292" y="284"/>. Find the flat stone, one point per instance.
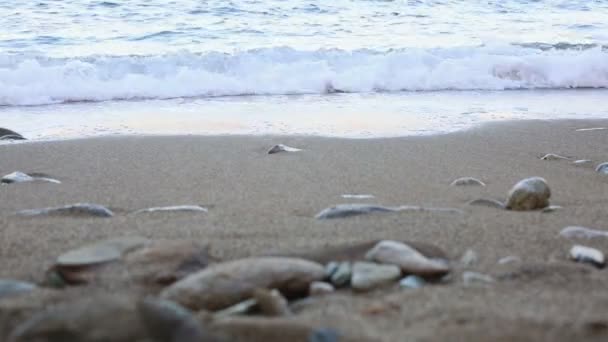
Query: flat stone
<point x="185" y="208"/>
<point x="508" y="260"/>
<point x="22" y="177"/>
<point x="76" y="210"/>
<point x="228" y="283"/>
<point x="339" y="273"/>
<point x="357" y="196"/>
<point x="7" y="134"/>
<point x="95" y="318"/>
<point x="574" y="232"/>
<point x="101" y="252"/>
<point x="320" y="288"/>
<point x="353" y="209"/>
<point x="10" y="287"/>
<point x="368" y="275"/>
<point x="602" y="168"/>
<point x="529" y="194"/>
<point x="468" y="258"/>
<point x="591" y="129"/>
<point x="588" y="255"/>
<point x="467" y="181"/>
<point x="553" y="156"/>
<point x="407" y="258"/>
<point x="552" y="208"/>
<point x="472" y="278"/>
<point x="282" y="148"/>
<point x="487" y="202"/>
<point x="412" y="282"/>
<point x="582" y="162"/>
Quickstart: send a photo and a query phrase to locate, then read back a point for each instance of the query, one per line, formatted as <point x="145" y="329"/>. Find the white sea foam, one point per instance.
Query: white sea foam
<point x="34" y="80"/>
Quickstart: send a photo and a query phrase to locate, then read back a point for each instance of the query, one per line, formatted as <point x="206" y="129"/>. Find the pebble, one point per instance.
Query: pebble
<point x="412" y="282"/>
<point x="529" y="194"/>
<point x="467" y="181"/>
<point x="487" y="202"/>
<point x="602" y="168"/>
<point x="271" y="303"/>
<point x="7" y="134"/>
<point x="339" y="273"/>
<point x="591" y="129"/>
<point x="224" y="284"/>
<point x="407" y="258"/>
<point x="348" y="210"/>
<point x="10" y="287"/>
<point x="357" y="196"/>
<point x="552" y="208"/>
<point x="169" y="321"/>
<point x="282" y="148"/>
<point x="553" y="156"/>
<point x="193" y="208"/>
<point x="509" y="259"/>
<point x="241" y="308"/>
<point x="471" y="278"/>
<point x="572" y="232"/>
<point x="582" y="162"/>
<point x="319" y="288"/>
<point x="77" y="210"/>
<point x="587" y="255"/>
<point x="21" y="177"/>
<point x="368" y="275"/>
<point x="101" y="252"/>
<point x="469" y="258"/>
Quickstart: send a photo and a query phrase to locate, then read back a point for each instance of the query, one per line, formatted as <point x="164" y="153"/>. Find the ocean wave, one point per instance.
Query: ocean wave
<point x="36" y="80"/>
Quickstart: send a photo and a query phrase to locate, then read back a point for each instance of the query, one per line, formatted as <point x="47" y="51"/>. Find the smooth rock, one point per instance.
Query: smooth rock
<point x="10" y="287"/>
<point x="7" y="134"/>
<point x="90" y="319"/>
<point x="468" y="258"/>
<point x="529" y="194"/>
<point x="408" y="259"/>
<point x="77" y="210"/>
<point x="467" y="181"/>
<point x="186" y="208"/>
<point x="167" y="321"/>
<point x="509" y="259"/>
<point x="602" y="168"/>
<point x="357" y="196"/>
<point x="282" y="148"/>
<point x="339" y="273"/>
<point x="412" y="282"/>
<point x="472" y="278"/>
<point x="553" y="156"/>
<point x="320" y="288"/>
<point x="225" y="284"/>
<point x="101" y="252"/>
<point x="487" y="202"/>
<point x="582" y="162"/>
<point x="271" y="303"/>
<point x="587" y="255"/>
<point x="368" y="275"/>
<point x="573" y="232"/>
<point x="552" y="208"/>
<point x="591" y="129"/>
<point x="348" y="210"/>
<point x="21" y="177"/>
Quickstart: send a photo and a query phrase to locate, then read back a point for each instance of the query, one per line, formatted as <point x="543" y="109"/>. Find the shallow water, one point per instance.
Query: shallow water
<point x="343" y="68"/>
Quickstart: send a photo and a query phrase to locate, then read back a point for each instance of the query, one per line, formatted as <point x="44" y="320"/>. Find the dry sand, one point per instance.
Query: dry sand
<point x="262" y="203"/>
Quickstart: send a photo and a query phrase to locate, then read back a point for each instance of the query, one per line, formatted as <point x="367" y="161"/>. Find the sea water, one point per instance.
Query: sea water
<point x="351" y="68"/>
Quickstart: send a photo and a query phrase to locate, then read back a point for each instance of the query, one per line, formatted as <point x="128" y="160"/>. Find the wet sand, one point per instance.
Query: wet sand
<point x="260" y="203"/>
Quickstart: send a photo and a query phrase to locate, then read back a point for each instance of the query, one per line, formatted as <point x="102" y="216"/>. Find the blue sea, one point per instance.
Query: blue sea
<point x="348" y="68"/>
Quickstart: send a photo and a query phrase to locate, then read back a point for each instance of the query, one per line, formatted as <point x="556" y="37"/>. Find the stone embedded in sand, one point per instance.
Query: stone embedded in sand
<point x="7" y="134"/>
<point x="412" y="282"/>
<point x="408" y="259"/>
<point x="169" y="321"/>
<point x="77" y="210"/>
<point x="101" y="252"/>
<point x="339" y="273"/>
<point x="587" y="255"/>
<point x="582" y="162"/>
<point x="553" y="156"/>
<point x="89" y="319"/>
<point x="22" y="177"/>
<point x="591" y="129"/>
<point x="348" y="210"/>
<point x="552" y="208"/>
<point x="368" y="275"/>
<point x="508" y="259"/>
<point x="357" y="196"/>
<point x="186" y="208"/>
<point x="472" y="278"/>
<point x="573" y="232"/>
<point x="468" y="258"/>
<point x="271" y="303"/>
<point x="319" y="288"/>
<point x="467" y="181"/>
<point x="225" y="284"/>
<point x="602" y="168"/>
<point x="487" y="202"/>
<point x="10" y="287"/>
<point x="282" y="148"/>
<point x="529" y="194"/>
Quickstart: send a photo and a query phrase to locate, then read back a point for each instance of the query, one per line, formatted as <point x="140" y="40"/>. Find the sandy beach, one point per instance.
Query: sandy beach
<point x="262" y="204"/>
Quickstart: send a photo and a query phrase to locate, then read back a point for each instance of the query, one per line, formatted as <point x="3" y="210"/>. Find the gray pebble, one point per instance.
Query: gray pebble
<point x="582" y="232"/>
<point x="348" y="210"/>
<point x="191" y="208"/>
<point x="472" y="278"/>
<point x="412" y="282"/>
<point x="7" y="134"/>
<point x="282" y="148"/>
<point x="10" y="287"/>
<point x="467" y="181"/>
<point x="587" y="255"/>
<point x="602" y="168"/>
<point x="553" y="156"/>
<point x="529" y="194"/>
<point x="78" y="210"/>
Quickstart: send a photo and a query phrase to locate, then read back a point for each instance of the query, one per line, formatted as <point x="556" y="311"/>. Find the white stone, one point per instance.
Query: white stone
<point x="407" y="258"/>
<point x="368" y="275"/>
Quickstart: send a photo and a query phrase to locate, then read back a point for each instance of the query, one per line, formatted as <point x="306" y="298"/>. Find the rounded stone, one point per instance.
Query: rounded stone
<point x="368" y="275"/>
<point x="100" y="252"/>
<point x="602" y="168"/>
<point x="529" y="194"/>
<point x="412" y="282"/>
<point x="409" y="260"/>
<point x="319" y="288"/>
<point x="467" y="181"/>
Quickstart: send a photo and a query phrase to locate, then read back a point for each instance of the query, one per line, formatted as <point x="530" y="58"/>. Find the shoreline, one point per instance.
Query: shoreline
<point x="260" y="203"/>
